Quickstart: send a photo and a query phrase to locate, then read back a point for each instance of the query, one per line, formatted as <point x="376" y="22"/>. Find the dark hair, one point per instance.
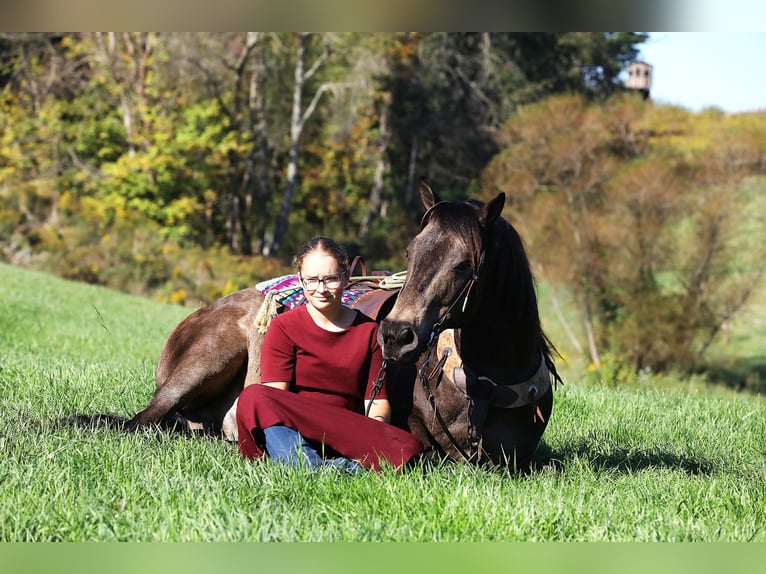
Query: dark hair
<point x="325" y="244"/>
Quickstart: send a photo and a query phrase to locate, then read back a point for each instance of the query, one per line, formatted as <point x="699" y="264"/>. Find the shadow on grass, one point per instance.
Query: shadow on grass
<point x="610" y="457"/>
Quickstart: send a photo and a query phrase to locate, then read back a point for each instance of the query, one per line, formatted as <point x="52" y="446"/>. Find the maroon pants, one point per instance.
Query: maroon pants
<point x="350" y="434"/>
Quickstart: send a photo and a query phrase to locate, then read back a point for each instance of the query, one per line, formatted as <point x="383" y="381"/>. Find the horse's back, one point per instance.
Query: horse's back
<point x="210" y="337"/>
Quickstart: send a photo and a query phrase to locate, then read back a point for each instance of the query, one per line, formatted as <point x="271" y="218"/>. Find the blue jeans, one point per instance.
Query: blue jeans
<point x="288" y="446"/>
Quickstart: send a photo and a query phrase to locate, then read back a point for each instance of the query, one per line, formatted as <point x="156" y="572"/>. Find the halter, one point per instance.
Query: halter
<point x="425" y="378"/>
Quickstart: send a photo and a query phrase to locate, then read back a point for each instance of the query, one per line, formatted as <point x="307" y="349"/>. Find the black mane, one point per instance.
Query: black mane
<point x="506" y="283"/>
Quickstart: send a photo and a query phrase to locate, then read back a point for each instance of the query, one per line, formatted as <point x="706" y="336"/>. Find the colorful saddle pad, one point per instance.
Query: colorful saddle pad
<point x="289" y="292"/>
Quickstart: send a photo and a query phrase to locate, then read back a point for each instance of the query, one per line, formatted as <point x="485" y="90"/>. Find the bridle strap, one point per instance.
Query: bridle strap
<point x="425" y="379"/>
<point x="464" y="292"/>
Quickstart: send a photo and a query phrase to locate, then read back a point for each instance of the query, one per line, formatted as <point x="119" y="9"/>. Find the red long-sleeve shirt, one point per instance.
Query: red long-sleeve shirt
<point x="330" y="374"/>
<point x="337" y="368"/>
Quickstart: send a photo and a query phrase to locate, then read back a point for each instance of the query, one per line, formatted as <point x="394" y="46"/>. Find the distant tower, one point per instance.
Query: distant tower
<point x="640" y="78"/>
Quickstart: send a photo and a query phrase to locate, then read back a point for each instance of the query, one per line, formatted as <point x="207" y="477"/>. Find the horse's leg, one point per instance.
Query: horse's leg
<point x="229" y="425"/>
<point x="511" y="436"/>
<point x="253" y="377"/>
<point x="164" y="401"/>
<point x="197" y="386"/>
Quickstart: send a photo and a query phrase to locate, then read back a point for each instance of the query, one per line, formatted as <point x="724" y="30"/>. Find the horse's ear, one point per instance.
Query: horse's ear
<point x="427" y="196"/>
<point x="492" y="210"/>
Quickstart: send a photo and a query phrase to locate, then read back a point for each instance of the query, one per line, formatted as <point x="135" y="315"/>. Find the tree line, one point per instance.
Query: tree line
<point x="231" y="138"/>
<point x="188" y="165"/>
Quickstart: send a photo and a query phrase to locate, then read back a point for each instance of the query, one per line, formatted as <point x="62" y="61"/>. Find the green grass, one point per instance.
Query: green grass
<point x="618" y="464"/>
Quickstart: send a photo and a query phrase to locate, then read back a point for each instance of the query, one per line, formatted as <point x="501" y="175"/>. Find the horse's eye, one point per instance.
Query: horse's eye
<point x="462" y="268"/>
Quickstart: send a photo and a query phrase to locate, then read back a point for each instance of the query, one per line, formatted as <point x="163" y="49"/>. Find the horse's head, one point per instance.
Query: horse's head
<point x="444" y="260"/>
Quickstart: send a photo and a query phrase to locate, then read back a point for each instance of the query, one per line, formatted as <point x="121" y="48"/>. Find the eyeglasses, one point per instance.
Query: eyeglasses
<point x="329" y="281"/>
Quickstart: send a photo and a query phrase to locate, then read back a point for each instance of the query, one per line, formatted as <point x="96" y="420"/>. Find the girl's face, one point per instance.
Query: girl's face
<point x="323" y="280"/>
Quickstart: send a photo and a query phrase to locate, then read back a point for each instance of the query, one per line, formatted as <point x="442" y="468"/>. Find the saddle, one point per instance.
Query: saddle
<point x="373" y="294"/>
<point x="481" y="393"/>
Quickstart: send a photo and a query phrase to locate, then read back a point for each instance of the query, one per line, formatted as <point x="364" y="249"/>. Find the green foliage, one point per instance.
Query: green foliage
<point x="150" y="162"/>
<point x="120" y="248"/>
<point x="191" y="130"/>
<point x="177" y="177"/>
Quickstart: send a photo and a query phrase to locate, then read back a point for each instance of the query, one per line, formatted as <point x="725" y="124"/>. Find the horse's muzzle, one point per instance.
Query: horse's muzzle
<point x="400" y="343"/>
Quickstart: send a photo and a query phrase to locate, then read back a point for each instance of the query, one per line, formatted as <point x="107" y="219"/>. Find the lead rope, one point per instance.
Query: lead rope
<point x="425" y="380"/>
<point x="376" y="386"/>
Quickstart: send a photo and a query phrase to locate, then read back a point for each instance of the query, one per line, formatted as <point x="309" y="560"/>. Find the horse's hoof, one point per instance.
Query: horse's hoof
<point x="229" y="425"/>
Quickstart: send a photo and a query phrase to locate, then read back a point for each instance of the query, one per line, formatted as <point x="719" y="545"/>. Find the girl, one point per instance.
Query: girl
<point x="318" y="365"/>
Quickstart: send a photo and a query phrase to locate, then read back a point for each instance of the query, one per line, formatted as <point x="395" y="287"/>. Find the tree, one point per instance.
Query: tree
<point x="234" y="71"/>
<point x="37" y="81"/>
<point x="553" y="159"/>
<point x="640" y="212"/>
<point x="125" y="58"/>
<point x="454" y="90"/>
<point x="297" y="123"/>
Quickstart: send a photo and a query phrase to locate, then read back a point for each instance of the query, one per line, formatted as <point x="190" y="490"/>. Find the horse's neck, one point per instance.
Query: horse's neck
<point x="503" y="341"/>
<point x="496" y="348"/>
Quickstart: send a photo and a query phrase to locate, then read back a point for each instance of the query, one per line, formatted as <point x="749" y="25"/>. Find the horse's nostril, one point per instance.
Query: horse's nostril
<point x="398" y="342"/>
<point x="407" y="338"/>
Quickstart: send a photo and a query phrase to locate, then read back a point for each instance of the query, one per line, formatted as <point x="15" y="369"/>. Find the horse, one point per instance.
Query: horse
<point x="467" y="316"/>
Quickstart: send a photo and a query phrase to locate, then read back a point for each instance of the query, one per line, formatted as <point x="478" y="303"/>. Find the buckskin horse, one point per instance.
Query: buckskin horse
<point x="466" y="318"/>
<point x="468" y="315"/>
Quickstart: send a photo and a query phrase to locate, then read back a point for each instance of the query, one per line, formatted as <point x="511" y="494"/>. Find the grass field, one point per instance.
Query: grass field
<point x="619" y="464"/>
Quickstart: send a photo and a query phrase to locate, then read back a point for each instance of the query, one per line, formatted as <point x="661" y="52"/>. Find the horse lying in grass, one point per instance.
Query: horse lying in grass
<point x="470" y="367"/>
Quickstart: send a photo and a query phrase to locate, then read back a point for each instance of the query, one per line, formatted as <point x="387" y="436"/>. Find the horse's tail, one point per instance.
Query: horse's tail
<point x="100" y="420"/>
<point x="173" y="422"/>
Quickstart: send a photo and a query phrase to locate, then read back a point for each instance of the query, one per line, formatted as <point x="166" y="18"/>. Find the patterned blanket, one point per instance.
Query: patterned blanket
<point x="289" y="293"/>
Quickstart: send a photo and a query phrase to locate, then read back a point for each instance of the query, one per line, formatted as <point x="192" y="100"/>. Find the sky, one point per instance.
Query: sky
<point x="696" y="70"/>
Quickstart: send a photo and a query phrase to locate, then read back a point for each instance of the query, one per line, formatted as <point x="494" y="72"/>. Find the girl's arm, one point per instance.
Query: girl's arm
<point x="278" y="385"/>
<point x="380" y="409"/>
